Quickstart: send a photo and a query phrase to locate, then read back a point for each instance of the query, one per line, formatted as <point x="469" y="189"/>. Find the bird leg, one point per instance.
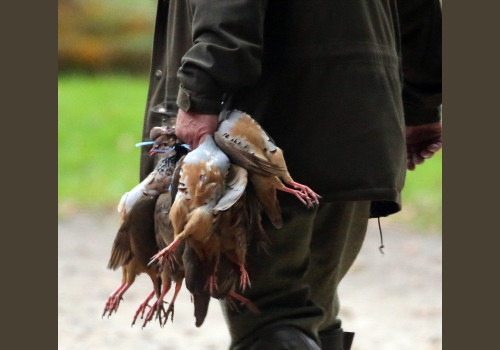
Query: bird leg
<point x="170" y="310"/>
<point x="157" y="307"/>
<point x="143" y="306"/>
<point x="114" y="299"/>
<point x="250" y="306"/>
<point x="244" y="278"/>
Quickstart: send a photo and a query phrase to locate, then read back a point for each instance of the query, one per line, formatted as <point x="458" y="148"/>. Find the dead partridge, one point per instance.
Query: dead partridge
<point x="248" y="145"/>
<point x="133" y="247"/>
<point x="200" y="188"/>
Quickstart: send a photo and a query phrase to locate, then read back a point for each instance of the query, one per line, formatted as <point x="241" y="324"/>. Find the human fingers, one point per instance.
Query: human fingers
<point x="430" y="150"/>
<point x="410" y="165"/>
<point x="417" y="159"/>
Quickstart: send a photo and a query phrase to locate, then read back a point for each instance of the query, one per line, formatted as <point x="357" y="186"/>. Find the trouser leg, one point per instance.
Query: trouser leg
<point x="338" y="235"/>
<point x="295" y="286"/>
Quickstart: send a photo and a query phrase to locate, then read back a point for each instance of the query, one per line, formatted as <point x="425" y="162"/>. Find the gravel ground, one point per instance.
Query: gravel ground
<point x="391" y="301"/>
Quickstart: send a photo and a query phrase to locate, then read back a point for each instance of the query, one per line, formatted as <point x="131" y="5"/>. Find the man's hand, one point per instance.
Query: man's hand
<point x="191" y="127"/>
<point x="422" y="141"/>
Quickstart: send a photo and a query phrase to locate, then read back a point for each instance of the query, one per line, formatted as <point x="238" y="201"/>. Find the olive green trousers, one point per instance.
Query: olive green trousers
<point x="296" y="283"/>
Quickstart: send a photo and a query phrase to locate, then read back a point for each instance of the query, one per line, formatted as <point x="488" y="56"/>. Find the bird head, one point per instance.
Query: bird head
<point x="164" y="139"/>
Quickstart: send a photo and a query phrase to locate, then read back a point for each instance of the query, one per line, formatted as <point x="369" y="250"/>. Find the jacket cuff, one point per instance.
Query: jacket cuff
<point x="189" y="102"/>
<point x="417" y="116"/>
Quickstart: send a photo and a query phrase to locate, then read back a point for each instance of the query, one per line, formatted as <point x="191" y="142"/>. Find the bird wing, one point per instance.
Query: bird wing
<point x="242" y="157"/>
<point x="142" y="229"/>
<point x="121" y="252"/>
<point x="235" y="184"/>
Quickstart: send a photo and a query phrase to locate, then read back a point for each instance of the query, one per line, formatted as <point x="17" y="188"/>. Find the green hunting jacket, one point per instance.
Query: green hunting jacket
<point x="333" y="82"/>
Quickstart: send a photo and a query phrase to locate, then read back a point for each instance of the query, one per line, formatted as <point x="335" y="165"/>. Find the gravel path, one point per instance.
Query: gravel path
<point x="391" y="301"/>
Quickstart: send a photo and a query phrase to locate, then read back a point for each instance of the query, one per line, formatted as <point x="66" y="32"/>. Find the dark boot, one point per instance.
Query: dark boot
<point x="336" y="339"/>
<point x="284" y="338"/>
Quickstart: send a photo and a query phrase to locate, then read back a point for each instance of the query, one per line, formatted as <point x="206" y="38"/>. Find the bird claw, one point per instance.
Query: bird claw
<point x="170" y="312"/>
<point x="156" y="310"/>
<point x="304" y="193"/>
<point x="161" y="314"/>
<point x="244" y="278"/>
<point x="150" y="314"/>
<point x="142" y="309"/>
<point x="111" y="305"/>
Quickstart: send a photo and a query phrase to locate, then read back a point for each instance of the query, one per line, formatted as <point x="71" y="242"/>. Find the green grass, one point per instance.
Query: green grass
<point x="422" y="196"/>
<point x="100" y="120"/>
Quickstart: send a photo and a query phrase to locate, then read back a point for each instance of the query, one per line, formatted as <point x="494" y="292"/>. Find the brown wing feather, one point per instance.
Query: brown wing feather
<point x="142" y="230"/>
<point x="121" y="252"/>
<point x="245" y="159"/>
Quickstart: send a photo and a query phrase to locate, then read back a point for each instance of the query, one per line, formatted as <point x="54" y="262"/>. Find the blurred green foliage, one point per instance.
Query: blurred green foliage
<point x="422" y="196"/>
<point x="103" y="36"/>
<point x="100" y="120"/>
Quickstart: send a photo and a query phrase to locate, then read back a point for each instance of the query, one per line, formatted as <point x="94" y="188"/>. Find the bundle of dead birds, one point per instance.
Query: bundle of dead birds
<point x="194" y="216"/>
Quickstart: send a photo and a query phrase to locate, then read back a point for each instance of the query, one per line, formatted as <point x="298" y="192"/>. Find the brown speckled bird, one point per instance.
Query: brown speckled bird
<point x="133" y="242"/>
<point x="200" y="188"/>
<point x="236" y="224"/>
<point x="248" y="145"/>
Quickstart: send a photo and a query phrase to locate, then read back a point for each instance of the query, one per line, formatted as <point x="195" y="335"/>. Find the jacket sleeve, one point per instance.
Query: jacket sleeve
<point x="421" y="31"/>
<point x="226" y="53"/>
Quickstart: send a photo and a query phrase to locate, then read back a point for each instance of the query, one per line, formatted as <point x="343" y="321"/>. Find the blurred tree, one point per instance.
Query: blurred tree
<point x="103" y="36"/>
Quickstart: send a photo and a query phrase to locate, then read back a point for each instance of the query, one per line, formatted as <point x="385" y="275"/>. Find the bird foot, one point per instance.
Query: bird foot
<point x="157" y="310"/>
<point x="170" y="312"/>
<point x="112" y="305"/>
<point x="244" y="278"/>
<point x="303" y="193"/>
<point x="161" y="315"/>
<point x="142" y="308"/>
<point x="150" y="314"/>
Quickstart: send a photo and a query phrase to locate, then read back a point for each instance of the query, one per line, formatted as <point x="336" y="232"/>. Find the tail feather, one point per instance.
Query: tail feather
<point x="119" y="258"/>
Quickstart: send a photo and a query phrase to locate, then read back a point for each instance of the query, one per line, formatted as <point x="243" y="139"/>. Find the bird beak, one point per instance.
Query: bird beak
<point x="152" y="152"/>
